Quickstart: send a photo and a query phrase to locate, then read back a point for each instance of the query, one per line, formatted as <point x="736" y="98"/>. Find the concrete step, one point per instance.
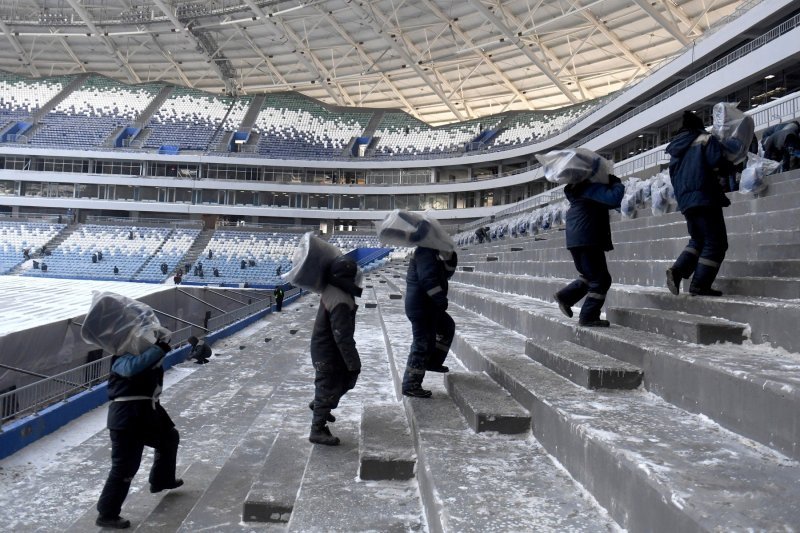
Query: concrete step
<point x="749" y="389"/>
<point x="763" y="287"/>
<point x="643" y="272"/>
<point x="477" y="482"/>
<point x="779" y="251"/>
<point x="583" y="366"/>
<point x="386" y="450"/>
<point x="271" y="497"/>
<point x="770" y="320"/>
<point x="653" y="466"/>
<point x="682" y="326"/>
<point x="485" y="406"/>
<point x="329" y="499"/>
<point x="174" y="505"/>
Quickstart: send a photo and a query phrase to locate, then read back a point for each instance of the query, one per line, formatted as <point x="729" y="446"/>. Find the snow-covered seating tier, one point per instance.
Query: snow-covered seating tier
<point x="347" y="243"/>
<point x="90" y="113"/>
<point x="171" y="253"/>
<point x="21" y="97"/>
<point x="18" y="236"/>
<point x="189" y="119"/>
<point x="401" y="134"/>
<point x="527" y="126"/>
<point x="294" y="127"/>
<point x="73" y="257"/>
<point x="269" y="251"/>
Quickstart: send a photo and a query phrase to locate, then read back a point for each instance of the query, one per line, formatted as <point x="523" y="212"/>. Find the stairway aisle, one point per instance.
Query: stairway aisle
<point x="479" y="481"/>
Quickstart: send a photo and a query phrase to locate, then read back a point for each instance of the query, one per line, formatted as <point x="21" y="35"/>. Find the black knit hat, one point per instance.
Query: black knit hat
<point x="342" y="273"/>
<point x="692" y="122"/>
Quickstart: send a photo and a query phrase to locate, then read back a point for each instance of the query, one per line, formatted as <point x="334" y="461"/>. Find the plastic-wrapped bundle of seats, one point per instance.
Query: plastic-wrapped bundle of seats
<point x="121" y="325"/>
<point x="734" y="129"/>
<point x="752" y="180"/>
<point x="656" y="190"/>
<point x="404" y="228"/>
<point x="312" y="258"/>
<point x="575" y="165"/>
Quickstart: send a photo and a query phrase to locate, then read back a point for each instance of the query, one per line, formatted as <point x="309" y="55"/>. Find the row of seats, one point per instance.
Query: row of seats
<point x="289" y="125"/>
<point x="15" y="237"/>
<point x="270" y="252"/>
<point x="21" y="97"/>
<point x="88" y="115"/>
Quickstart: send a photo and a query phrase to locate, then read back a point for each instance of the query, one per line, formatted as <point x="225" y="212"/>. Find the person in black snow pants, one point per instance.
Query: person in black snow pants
<point x="695" y="159"/>
<point x="333" y="349"/>
<point x="278" y="294"/>
<point x="136" y="419"/>
<point x="588" y="240"/>
<point x="426" y="307"/>
<point x="200" y="351"/>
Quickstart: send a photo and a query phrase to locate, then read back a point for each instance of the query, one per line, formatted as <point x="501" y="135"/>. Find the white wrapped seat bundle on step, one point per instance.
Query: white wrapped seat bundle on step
<point x="730" y="123"/>
<point x="574" y="165"/>
<point x="752" y="180"/>
<point x="310" y="261"/>
<point x="121" y="325"/>
<point x="404" y="228"/>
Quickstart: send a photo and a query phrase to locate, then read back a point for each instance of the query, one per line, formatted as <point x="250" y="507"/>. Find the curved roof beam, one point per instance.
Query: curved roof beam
<point x="378" y="21"/>
<point x="119" y="59"/>
<point x="330" y="19"/>
<point x="601" y="26"/>
<point x="514" y="38"/>
<point x="668" y="25"/>
<point x="169" y="58"/>
<point x="470" y="43"/>
<point x="307" y="62"/>
<point x="230" y="84"/>
<point x="325" y="75"/>
<point x="26" y="59"/>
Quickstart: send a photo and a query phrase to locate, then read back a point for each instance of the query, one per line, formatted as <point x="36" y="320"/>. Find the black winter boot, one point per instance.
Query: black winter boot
<point x="412" y="383"/>
<point x="596" y="323"/>
<point x="169" y="486"/>
<point x="322" y="435"/>
<point x="674" y="281"/>
<point x="113" y="522"/>
<point x="563" y="306"/>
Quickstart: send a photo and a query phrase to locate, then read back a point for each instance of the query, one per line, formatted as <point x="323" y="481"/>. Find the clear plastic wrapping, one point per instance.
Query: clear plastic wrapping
<point x="732" y="123"/>
<point x="121" y="325"/>
<point x="575" y="165"/>
<point x="752" y="180"/>
<point x="310" y="263"/>
<point x="404" y="228"/>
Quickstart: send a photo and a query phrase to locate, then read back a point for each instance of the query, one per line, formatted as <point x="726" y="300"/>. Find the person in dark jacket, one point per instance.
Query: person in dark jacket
<point x="782" y="144"/>
<point x="136" y="419"/>
<point x="200" y="351"/>
<point x="588" y="240"/>
<point x="278" y="294"/>
<point x="426" y="307"/>
<point x="695" y="157"/>
<point x="333" y="349"/>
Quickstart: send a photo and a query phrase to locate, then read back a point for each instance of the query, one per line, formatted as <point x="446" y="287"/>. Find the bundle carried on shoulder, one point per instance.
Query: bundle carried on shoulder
<point x="574" y="165"/>
<point x="404" y="228"/>
<point x="310" y="263"/>
<point x="121" y="325"/>
<point x="730" y="123"/>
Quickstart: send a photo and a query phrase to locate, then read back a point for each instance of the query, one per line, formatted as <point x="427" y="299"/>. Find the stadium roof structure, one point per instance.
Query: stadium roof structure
<point x="440" y="60"/>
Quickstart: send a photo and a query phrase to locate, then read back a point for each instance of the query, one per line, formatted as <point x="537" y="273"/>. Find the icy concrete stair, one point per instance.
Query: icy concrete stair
<point x="485" y="405"/>
<point x="653" y="466"/>
<point x="477" y="482"/>
<point x="386" y="450"/>
<point x="329" y="500"/>
<point x="583" y="366"/>
<point x="272" y="495"/>
<point x="682" y="326"/>
<point x="779" y="251"/>
<point x="760" y="287"/>
<point x="747" y="389"/>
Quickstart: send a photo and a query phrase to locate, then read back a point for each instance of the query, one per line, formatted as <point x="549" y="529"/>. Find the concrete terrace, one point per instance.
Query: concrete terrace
<point x="682" y="416"/>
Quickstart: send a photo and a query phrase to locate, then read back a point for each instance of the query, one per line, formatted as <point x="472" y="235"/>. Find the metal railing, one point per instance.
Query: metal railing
<point x="32" y="398"/>
<point x="145" y="222"/>
<point x="737" y="54"/>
